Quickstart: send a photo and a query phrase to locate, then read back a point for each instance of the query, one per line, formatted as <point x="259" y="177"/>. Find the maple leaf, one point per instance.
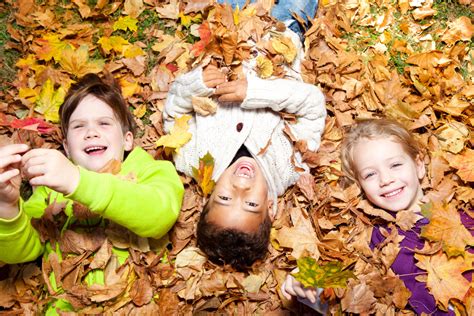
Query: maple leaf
<point x="49" y="101"/>
<point x="204" y="105"/>
<point x="129" y="87"/>
<point x="205" y="38"/>
<point x="463" y="163"/>
<point x="445" y="279"/>
<point x="51" y="47"/>
<point x="178" y="135"/>
<point x="445" y="226"/>
<point x="124" y="23"/>
<point x="186" y="20"/>
<point x="28" y="95"/>
<point x="203" y="175"/>
<point x="131" y="51"/>
<point x="327" y="275"/>
<point x="115" y="43"/>
<point x="284" y="46"/>
<point x="264" y="67"/>
<point x="76" y="62"/>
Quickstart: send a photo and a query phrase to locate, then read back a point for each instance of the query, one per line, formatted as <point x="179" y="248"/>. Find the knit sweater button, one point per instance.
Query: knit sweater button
<point x="239" y="127"/>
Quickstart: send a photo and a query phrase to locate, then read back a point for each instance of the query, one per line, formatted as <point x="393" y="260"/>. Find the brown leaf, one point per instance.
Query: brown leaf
<point x="406" y="220"/>
<point x="141" y="292"/>
<point x="102" y="256"/>
<point x="358" y="299"/>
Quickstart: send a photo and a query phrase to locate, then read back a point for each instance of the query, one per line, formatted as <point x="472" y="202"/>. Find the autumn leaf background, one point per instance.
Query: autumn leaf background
<point x="409" y="60"/>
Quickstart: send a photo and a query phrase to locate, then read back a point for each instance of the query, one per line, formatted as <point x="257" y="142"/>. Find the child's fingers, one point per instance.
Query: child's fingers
<point x="311" y="295"/>
<point x="13" y="149"/>
<point x="9" y="160"/>
<point x="284" y="291"/>
<point x="214" y="82"/>
<point x="6" y="176"/>
<point x="226" y="88"/>
<point x="39" y="181"/>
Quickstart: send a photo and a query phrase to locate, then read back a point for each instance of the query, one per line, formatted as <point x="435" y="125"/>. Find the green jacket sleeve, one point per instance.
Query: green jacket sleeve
<point x="148" y="206"/>
<point x="19" y="241"/>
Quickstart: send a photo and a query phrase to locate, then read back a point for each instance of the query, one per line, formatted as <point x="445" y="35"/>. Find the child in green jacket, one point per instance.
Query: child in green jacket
<point x="144" y="197"/>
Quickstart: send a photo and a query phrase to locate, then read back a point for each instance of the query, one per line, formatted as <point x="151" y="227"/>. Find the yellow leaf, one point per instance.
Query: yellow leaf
<point x="203" y="175"/>
<point x="132" y="51"/>
<point x="284" y="46"/>
<point x="264" y="67"/>
<point x="29" y="61"/>
<point x="236" y="14"/>
<point x="178" y="135"/>
<point x="445" y="279"/>
<point x="30" y="95"/>
<point x="49" y="101"/>
<point x="186" y="20"/>
<point x="129" y="88"/>
<point x="124" y="23"/>
<point x="115" y="43"/>
<point x="51" y="47"/>
<point x="140" y="110"/>
<point x="77" y="61"/>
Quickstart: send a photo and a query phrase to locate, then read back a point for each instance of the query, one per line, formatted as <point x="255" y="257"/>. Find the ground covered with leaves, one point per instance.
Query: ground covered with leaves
<point x="409" y="60"/>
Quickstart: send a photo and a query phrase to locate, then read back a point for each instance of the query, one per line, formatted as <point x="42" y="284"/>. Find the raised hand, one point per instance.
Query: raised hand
<point x="292" y="287"/>
<point x="49" y="167"/>
<point x="212" y="76"/>
<point x="10" y="180"/>
<point x="232" y="91"/>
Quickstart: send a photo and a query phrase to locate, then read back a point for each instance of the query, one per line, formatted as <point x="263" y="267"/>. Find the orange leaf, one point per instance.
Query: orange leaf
<point x="77" y="61"/>
<point x="445" y="279"/>
<point x="205" y="35"/>
<point x="203" y="175"/>
<point x="463" y="163"/>
<point x="445" y="226"/>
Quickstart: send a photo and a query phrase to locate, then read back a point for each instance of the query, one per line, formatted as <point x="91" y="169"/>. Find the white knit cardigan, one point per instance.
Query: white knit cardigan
<point x="257" y="116"/>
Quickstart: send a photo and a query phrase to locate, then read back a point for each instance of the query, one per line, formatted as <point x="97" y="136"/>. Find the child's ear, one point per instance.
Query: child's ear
<point x="66" y="149"/>
<point x="271" y="212"/>
<point x="420" y="167"/>
<point x="128" y="141"/>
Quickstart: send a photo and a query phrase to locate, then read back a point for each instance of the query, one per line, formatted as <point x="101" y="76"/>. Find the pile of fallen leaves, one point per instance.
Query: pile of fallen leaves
<point x="410" y="60"/>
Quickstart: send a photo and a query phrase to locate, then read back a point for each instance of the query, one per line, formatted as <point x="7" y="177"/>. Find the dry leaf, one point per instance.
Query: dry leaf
<point x="204" y="105"/>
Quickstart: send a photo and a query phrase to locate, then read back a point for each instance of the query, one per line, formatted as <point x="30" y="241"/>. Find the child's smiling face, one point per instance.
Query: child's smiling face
<point x="389" y="177"/>
<point x="95" y="135"/>
<point x="240" y="198"/>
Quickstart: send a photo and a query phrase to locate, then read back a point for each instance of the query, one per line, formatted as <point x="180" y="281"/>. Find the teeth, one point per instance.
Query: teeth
<point x="243" y="175"/>
<point x="393" y="193"/>
<point x="89" y="149"/>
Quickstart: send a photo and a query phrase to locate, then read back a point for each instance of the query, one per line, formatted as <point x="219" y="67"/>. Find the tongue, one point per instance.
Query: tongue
<point x="96" y="151"/>
<point x="244" y="170"/>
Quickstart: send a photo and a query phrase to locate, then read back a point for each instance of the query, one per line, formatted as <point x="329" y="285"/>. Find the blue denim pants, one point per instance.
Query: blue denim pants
<point x="282" y="10"/>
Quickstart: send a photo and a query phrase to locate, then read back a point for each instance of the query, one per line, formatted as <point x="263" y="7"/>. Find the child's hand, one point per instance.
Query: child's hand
<point x="10" y="180"/>
<point x="292" y="287"/>
<point x="232" y="91"/>
<point x="212" y="76"/>
<point x="50" y="168"/>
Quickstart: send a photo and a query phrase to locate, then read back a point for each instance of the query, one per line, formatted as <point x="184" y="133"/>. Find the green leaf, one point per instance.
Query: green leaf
<point x="328" y="275"/>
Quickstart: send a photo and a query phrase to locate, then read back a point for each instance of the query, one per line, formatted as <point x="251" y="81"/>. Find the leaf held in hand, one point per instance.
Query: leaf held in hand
<point x="331" y="274"/>
<point x="203" y="175"/>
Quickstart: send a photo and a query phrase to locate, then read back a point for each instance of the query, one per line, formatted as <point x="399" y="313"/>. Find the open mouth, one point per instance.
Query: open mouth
<point x="95" y="150"/>
<point x="393" y="193"/>
<point x="245" y="170"/>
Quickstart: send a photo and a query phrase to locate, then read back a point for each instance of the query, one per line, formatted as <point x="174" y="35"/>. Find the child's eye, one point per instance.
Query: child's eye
<point x="252" y="204"/>
<point x="224" y="198"/>
<point x="371" y="174"/>
<point x="76" y="126"/>
<point x="397" y="164"/>
<point x="104" y="123"/>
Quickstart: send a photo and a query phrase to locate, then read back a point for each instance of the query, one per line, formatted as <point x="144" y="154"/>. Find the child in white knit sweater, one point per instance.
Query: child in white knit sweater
<point x="254" y="159"/>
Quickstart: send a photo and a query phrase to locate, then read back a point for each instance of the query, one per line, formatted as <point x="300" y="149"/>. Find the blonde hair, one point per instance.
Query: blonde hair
<point x="372" y="129"/>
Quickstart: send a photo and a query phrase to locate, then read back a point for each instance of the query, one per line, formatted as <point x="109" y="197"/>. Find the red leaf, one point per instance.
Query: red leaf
<point x="205" y="35"/>
<point x="33" y="124"/>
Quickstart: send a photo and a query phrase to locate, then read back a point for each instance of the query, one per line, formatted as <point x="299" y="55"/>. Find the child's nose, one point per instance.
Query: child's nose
<point x="386" y="178"/>
<point x="91" y="133"/>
